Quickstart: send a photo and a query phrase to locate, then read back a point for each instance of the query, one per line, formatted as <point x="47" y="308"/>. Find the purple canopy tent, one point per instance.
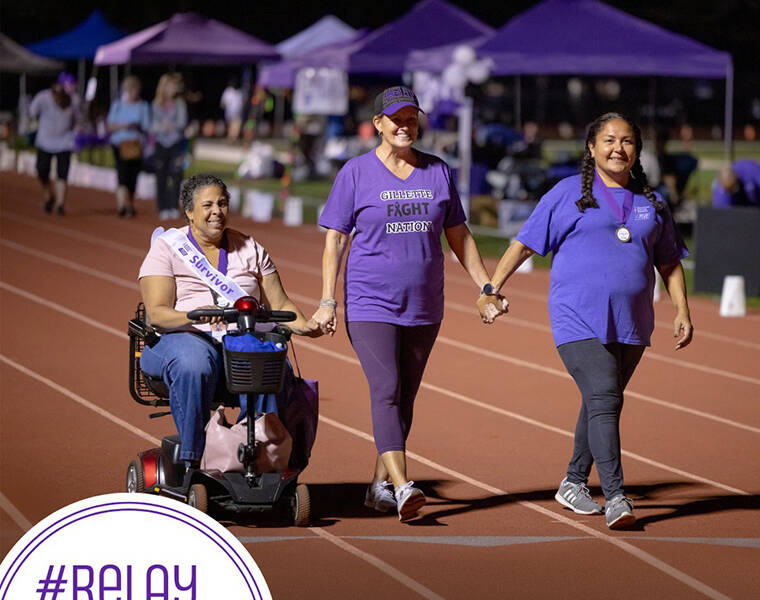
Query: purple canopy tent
<point x="589" y="37"/>
<point x="189" y="39"/>
<point x="384" y="52"/>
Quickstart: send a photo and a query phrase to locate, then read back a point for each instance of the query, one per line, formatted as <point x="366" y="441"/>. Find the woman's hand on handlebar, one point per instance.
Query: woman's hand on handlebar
<point x="209" y="320"/>
<point x="327" y="319"/>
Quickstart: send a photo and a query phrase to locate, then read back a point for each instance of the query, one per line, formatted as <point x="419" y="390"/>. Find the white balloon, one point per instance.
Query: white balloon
<point x="455" y="76"/>
<point x="464" y="55"/>
<point x="478" y="72"/>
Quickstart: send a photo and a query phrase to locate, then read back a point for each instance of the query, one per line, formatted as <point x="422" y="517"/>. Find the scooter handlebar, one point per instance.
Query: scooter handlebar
<point x="230" y="315"/>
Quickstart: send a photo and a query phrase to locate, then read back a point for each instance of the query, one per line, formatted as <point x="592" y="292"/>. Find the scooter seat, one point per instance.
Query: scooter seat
<point x="156" y="384"/>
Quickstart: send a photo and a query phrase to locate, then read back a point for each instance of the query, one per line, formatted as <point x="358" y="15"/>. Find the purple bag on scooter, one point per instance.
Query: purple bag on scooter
<point x="300" y="414"/>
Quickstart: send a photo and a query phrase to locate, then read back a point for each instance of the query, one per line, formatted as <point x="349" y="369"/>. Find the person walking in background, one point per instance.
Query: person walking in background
<point x="399" y="200"/>
<point x="57" y="112"/>
<point x="232" y="104"/>
<point x="168" y="127"/>
<point x="737" y="184"/>
<point x="128" y="121"/>
<point x="607" y="231"/>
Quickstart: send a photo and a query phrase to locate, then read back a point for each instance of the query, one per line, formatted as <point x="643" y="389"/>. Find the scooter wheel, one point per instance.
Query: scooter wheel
<point x="301" y="506"/>
<point x="197" y="497"/>
<point x="135" y="477"/>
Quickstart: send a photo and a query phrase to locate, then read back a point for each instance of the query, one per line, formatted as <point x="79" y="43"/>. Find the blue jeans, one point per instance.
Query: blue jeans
<point x="191" y="366"/>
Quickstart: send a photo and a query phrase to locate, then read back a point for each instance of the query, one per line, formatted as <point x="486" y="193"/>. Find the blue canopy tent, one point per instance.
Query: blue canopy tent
<point x="589" y="37"/>
<point x="79" y="43"/>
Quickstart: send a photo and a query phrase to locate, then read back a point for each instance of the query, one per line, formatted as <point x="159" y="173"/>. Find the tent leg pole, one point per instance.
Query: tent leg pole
<point x="652" y="108"/>
<point x="114" y="76"/>
<point x="80" y="77"/>
<point x="465" y="153"/>
<point x="518" y="103"/>
<point x="728" y="126"/>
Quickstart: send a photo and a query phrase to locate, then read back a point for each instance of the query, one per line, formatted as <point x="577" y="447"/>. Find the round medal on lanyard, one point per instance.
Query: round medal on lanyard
<point x="623" y="234"/>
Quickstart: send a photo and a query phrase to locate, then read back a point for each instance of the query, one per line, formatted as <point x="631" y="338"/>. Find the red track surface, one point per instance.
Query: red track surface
<point x="490" y="443"/>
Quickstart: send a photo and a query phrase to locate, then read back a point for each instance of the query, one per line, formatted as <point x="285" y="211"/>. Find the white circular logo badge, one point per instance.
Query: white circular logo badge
<point x="130" y="547"/>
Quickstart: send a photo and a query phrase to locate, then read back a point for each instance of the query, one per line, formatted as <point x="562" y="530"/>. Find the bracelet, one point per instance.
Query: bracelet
<point x="331" y="302"/>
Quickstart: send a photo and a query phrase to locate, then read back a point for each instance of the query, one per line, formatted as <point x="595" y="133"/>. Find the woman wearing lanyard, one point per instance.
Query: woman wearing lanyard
<point x="187" y="357"/>
<point x="606" y="230"/>
<point x="399" y="200"/>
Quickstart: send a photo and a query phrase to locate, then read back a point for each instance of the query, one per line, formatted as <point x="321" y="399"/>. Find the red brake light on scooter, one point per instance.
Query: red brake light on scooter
<point x="247" y="304"/>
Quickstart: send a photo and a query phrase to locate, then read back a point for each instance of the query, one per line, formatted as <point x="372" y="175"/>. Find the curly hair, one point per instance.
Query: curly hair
<point x="588" y="165"/>
<point x="193" y="184"/>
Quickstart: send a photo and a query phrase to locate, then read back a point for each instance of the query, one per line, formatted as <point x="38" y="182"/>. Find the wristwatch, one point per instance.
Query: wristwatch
<point x="487" y="290"/>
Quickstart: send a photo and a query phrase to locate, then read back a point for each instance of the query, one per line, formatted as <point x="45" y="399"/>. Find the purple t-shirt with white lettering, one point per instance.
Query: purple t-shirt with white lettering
<point x="394" y="271"/>
<point x="601" y="287"/>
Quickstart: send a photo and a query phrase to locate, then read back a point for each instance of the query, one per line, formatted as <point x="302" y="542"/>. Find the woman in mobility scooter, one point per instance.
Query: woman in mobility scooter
<point x="204" y="265"/>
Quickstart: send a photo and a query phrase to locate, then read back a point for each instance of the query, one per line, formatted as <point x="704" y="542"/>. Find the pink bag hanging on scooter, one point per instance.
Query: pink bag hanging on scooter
<point x="223" y="439"/>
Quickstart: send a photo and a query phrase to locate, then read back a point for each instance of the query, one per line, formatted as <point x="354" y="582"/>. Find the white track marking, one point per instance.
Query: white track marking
<point x="389" y="570"/>
<point x="58" y="308"/>
<point x="619" y="543"/>
<point x="77" y="398"/>
<point x="562" y="374"/>
<point x="467" y="400"/>
<point x="625" y="546"/>
<point x="24" y="523"/>
<point x="29" y="251"/>
<point x="14" y="513"/>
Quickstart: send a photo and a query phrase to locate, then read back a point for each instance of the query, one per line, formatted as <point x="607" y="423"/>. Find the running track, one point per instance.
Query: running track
<point x="491" y="439"/>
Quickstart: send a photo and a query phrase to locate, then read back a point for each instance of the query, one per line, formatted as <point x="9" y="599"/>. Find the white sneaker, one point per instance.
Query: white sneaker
<point x="380" y="496"/>
<point x="409" y="501"/>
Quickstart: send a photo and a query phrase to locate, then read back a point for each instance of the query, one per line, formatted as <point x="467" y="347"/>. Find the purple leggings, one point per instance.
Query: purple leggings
<point x="393" y="358"/>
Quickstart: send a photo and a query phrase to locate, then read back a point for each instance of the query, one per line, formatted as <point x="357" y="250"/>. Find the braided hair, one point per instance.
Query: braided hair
<point x="588" y="165"/>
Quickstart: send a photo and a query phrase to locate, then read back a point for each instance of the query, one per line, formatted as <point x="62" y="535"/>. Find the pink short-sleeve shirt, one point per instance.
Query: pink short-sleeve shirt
<point x="247" y="263"/>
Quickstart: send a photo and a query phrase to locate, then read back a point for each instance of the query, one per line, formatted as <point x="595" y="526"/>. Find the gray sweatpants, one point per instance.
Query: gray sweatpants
<point x="601" y="372"/>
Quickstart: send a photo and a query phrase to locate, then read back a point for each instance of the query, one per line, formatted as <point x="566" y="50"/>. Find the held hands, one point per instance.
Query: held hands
<point x="312" y="329"/>
<point x="210" y="320"/>
<point x="490" y="306"/>
<point x="683" y="330"/>
<point x="326" y="319"/>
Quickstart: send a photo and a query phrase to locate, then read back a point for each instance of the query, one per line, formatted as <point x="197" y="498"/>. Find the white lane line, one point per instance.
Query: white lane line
<point x="545" y="426"/>
<point x="77" y="398"/>
<point x="14" y="513"/>
<point x="619" y="543"/>
<point x="58" y="308"/>
<point x="26" y="525"/>
<point x="140" y="252"/>
<point x="70" y="264"/>
<point x="562" y="374"/>
<point x="703" y="368"/>
<point x="389" y="570"/>
<point x="454" y="395"/>
<point x="625" y="546"/>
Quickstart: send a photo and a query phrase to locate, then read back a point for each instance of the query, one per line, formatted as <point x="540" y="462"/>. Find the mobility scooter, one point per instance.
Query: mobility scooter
<point x="160" y="471"/>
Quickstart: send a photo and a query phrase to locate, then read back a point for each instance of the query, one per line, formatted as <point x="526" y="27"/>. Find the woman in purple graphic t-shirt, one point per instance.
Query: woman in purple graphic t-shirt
<point x="399" y="201"/>
<point x="607" y="231"/>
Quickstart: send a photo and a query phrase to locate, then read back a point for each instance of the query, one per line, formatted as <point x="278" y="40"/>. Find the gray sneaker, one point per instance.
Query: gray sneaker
<point x="577" y="498"/>
<point x="380" y="496"/>
<point x="619" y="512"/>
<point x="409" y="500"/>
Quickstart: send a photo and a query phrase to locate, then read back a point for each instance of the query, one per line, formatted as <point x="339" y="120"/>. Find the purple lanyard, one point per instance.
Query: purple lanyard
<point x="613" y="204"/>
<point x="222" y="268"/>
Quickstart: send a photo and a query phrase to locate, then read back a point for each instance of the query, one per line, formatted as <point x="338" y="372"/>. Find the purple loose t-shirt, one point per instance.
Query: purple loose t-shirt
<point x="394" y="271"/>
<point x="601" y="287"/>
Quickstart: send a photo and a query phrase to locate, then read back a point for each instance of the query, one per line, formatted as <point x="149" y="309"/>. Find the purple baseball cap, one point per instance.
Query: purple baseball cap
<point x="394" y="98"/>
